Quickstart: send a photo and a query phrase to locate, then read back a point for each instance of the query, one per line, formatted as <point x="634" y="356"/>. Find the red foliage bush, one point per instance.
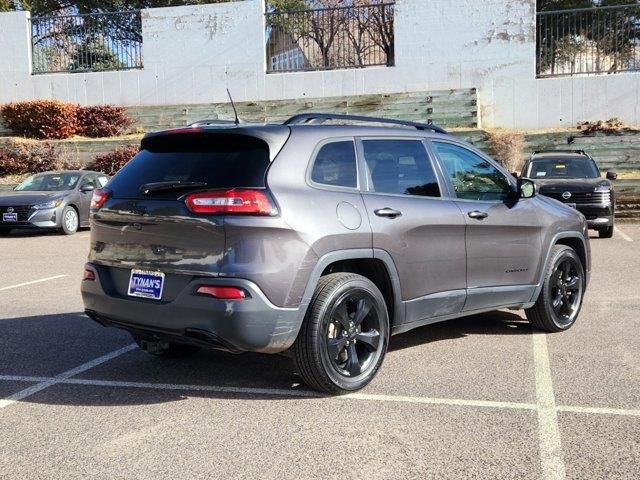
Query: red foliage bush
<point x="53" y="119"/>
<point x="111" y="162"/>
<point x="41" y="118"/>
<point x="103" y="120"/>
<point x="18" y="157"/>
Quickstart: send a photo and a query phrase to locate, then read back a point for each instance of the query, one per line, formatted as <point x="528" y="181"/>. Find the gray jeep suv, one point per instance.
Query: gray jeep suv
<point x="323" y="240"/>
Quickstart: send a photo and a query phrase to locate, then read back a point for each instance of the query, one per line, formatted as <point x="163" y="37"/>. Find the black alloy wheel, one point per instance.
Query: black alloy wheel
<point x="353" y="333"/>
<point x="559" y="303"/>
<point x="344" y="336"/>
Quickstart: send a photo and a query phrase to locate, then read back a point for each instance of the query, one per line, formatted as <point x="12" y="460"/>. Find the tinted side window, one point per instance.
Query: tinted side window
<point x="400" y="167"/>
<point x="335" y="165"/>
<point x="472" y="176"/>
<point x="91" y="180"/>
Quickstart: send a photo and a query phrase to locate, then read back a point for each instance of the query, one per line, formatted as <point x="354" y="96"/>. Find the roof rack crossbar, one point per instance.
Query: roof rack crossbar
<point x="581" y="152"/>
<point x="318" y="118"/>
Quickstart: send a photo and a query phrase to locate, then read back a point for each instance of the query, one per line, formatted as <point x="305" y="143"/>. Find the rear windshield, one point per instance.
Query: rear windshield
<point x="219" y="161"/>
<point x="579" y="167"/>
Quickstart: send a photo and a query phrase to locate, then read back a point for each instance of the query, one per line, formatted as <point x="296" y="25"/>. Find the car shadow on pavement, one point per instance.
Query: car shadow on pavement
<point x="45" y="346"/>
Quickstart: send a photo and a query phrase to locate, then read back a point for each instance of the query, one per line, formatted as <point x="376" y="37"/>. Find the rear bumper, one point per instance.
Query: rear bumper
<point x="253" y="324"/>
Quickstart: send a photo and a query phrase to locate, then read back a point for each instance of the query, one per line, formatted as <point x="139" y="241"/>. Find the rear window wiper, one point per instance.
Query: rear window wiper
<point x="149" y="188"/>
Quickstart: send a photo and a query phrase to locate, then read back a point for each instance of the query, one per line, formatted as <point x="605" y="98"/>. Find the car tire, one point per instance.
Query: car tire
<point x="606" y="232"/>
<point x="5" y="231"/>
<point x="559" y="303"/>
<point x="344" y="336"/>
<point x="172" y="350"/>
<point x="70" y="220"/>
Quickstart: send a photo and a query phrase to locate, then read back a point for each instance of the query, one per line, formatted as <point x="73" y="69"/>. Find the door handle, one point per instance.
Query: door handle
<point x="387" y="213"/>
<point x="478" y="215"/>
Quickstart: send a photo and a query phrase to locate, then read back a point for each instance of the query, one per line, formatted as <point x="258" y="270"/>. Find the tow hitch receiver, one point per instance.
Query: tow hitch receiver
<point x="154" y="347"/>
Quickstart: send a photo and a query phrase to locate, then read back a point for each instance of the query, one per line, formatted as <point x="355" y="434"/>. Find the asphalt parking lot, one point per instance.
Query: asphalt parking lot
<point x="482" y="397"/>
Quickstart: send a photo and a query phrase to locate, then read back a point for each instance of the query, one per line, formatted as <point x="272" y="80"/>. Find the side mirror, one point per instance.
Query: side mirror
<point x="611" y="175"/>
<point x="87" y="188"/>
<point x="515" y="174"/>
<point x="526" y="188"/>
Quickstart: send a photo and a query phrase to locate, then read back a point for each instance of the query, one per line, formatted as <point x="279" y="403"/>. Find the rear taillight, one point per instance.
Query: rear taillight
<point x="222" y="293"/>
<point x="239" y="202"/>
<point x="89" y="275"/>
<point x="100" y="196"/>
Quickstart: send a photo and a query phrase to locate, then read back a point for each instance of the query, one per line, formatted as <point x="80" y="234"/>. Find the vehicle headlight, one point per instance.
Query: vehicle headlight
<point x="46" y="205"/>
<point x="602" y="189"/>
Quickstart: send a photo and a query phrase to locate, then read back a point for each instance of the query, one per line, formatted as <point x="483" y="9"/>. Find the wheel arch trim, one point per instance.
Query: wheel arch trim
<point x="553" y="243"/>
<point x="356" y="254"/>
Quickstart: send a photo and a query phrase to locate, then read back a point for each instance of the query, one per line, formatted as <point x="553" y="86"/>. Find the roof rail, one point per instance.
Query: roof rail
<point x="215" y="121"/>
<point x="318" y="118"/>
<point x="579" y="152"/>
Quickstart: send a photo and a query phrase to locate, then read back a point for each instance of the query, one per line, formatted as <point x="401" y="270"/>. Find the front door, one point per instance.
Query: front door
<point x="503" y="237"/>
<point x="416" y="225"/>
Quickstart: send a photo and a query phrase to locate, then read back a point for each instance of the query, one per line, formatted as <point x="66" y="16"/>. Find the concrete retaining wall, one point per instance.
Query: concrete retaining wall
<point x="192" y="53"/>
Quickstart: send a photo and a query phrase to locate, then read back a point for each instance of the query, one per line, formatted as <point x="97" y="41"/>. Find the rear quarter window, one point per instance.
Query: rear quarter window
<point x="335" y="165"/>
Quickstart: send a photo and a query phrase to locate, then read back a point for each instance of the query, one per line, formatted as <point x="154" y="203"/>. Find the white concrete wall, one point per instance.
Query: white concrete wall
<point x="191" y="54"/>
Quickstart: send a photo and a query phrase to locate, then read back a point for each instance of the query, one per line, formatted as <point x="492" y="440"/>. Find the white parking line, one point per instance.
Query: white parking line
<point x="601" y="411"/>
<point x="32" y="282"/>
<point x="306" y="393"/>
<point x="310" y="393"/>
<point x="27" y="392"/>
<point x="623" y="235"/>
<point x="548" y="428"/>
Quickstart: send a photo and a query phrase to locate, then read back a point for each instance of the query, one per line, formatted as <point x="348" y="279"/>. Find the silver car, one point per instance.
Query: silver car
<point x="324" y="240"/>
<point x="50" y="200"/>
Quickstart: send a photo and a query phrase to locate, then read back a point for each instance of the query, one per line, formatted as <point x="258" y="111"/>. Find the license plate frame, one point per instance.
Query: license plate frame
<point x="10" y="217"/>
<point x="572" y="205"/>
<point x="144" y="284"/>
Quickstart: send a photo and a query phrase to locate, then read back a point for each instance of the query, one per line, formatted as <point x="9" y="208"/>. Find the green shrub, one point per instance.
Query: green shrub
<point x="41" y="118"/>
<point x="103" y="121"/>
<point x="111" y="162"/>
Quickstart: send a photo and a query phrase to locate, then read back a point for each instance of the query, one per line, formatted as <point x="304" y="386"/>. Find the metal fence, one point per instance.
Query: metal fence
<point x="330" y="38"/>
<point x="588" y="41"/>
<point x="87" y="43"/>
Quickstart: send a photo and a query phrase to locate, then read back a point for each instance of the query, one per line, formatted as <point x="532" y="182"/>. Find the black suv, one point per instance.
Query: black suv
<point x="573" y="178"/>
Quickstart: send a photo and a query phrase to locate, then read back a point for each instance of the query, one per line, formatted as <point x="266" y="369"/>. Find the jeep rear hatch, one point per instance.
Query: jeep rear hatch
<point x="165" y="209"/>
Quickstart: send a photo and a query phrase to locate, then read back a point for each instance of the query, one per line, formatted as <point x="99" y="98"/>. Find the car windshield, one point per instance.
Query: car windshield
<point x="49" y="182"/>
<point x="563" y="167"/>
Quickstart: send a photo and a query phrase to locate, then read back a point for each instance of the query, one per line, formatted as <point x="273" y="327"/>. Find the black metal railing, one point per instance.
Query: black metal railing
<point x="87" y="43"/>
<point x="330" y="38"/>
<point x="588" y="41"/>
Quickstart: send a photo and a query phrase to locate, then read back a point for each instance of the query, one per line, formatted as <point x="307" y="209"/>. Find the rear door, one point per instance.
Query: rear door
<point x="503" y="236"/>
<point x="421" y="230"/>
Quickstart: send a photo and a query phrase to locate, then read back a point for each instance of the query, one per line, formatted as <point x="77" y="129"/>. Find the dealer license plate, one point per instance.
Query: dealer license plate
<point x="146" y="284"/>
